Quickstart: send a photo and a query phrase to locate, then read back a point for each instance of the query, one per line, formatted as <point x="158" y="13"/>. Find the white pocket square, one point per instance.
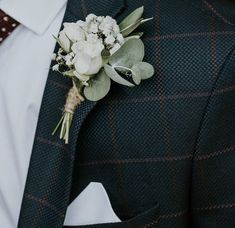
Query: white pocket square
<point x="91" y="207"/>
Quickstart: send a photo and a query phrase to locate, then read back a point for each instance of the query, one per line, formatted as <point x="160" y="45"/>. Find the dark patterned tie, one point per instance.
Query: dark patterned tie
<point x="7" y="25"/>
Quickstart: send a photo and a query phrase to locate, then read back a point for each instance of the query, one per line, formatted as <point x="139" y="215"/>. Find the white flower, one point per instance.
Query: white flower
<point x="93" y="28"/>
<point x="84" y="42"/>
<point x="81" y="23"/>
<point x="53" y="57"/>
<point x="110" y="40"/>
<point x="90" y="17"/>
<point x="74" y="32"/>
<point x="120" y="38"/>
<point x="116" y="28"/>
<point x="69" y="59"/>
<point x="92" y="37"/>
<point x="88" y="59"/>
<point x="55" y="67"/>
<point x="100" y="19"/>
<point x="64" y="41"/>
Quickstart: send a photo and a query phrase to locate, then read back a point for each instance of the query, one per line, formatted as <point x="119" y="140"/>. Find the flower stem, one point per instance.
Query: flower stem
<point x="74" y="98"/>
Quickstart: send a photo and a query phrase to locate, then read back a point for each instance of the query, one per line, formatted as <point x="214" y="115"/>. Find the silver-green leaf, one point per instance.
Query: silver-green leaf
<point x="110" y="71"/>
<point x="98" y="87"/>
<point x="132" y="18"/>
<point x="131" y="52"/>
<point x="132" y="27"/>
<point x="144" y="70"/>
<point x="136" y="77"/>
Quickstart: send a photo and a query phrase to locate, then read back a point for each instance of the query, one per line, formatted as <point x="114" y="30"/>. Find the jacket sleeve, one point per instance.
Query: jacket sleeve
<point x="213" y="172"/>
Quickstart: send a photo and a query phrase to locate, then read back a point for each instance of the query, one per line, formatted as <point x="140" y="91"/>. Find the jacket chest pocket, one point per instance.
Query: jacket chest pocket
<point x="146" y="219"/>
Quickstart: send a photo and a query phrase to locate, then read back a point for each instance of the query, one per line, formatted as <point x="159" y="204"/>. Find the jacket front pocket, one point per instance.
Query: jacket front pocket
<point x="146" y="219"/>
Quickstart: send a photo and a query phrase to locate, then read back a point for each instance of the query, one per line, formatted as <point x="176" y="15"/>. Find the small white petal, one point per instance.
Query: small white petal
<point x="82" y="63"/>
<point x="53" y="57"/>
<point x="55" y="67"/>
<point x="96" y="64"/>
<point x="64" y="41"/>
<point x="74" y="32"/>
<point x="110" y="40"/>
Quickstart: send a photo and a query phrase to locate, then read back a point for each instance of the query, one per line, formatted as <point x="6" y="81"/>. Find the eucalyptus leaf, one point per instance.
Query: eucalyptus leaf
<point x="129" y="29"/>
<point x="129" y="73"/>
<point x="105" y="56"/>
<point x="146" y="20"/>
<point x="132" y="18"/>
<point x="57" y="40"/>
<point x="144" y="70"/>
<point x="110" y="71"/>
<point x="105" y="53"/>
<point x="134" y="36"/>
<point x="98" y="87"/>
<point x="130" y="53"/>
<point x="136" y="76"/>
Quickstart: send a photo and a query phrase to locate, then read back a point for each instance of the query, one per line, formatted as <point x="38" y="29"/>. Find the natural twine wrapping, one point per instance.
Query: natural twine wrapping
<point x="74" y="98"/>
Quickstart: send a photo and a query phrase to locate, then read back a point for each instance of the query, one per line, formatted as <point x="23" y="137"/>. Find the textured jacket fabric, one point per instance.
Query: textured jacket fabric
<point x="165" y="150"/>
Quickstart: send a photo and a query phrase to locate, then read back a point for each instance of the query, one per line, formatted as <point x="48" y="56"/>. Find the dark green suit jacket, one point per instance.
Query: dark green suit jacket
<point x="164" y="151"/>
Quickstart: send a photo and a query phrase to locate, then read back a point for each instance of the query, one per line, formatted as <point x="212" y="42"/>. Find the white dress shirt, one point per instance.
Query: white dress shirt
<point x="25" y="58"/>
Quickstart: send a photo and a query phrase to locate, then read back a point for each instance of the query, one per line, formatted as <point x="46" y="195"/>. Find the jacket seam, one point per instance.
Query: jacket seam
<point x="203" y="118"/>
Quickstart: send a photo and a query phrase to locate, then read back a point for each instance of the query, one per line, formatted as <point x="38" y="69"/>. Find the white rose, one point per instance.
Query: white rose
<point x="64" y="41"/>
<point x="90" y="17"/>
<point x="93" y="28"/>
<point x="74" y="32"/>
<point x="88" y="59"/>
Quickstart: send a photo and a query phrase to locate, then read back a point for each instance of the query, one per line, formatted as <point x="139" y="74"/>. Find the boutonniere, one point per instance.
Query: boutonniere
<point x="94" y="52"/>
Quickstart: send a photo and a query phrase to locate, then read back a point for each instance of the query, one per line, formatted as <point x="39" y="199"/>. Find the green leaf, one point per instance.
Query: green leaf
<point x="128" y="30"/>
<point x="131" y="52"/>
<point x="105" y="53"/>
<point x="132" y="18"/>
<point x="98" y="87"/>
<point x="143" y="70"/>
<point x="146" y="20"/>
<point x="134" y="36"/>
<point x="110" y="71"/>
<point x="136" y="76"/>
<point x="57" y="40"/>
<point x="129" y="73"/>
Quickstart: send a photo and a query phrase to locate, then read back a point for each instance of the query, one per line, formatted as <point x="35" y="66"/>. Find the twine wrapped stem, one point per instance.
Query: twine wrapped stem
<point x="74" y="99"/>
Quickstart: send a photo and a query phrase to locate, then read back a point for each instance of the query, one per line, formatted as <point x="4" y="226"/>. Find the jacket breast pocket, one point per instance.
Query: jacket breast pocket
<point x="146" y="219"/>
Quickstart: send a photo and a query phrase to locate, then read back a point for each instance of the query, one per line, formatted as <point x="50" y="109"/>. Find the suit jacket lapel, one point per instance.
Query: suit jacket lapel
<point x="48" y="184"/>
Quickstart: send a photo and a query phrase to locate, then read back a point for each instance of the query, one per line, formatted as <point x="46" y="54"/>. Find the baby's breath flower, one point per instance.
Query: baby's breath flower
<point x="92" y="37"/>
<point x="100" y="19"/>
<point x="120" y="38"/>
<point x="55" y="67"/>
<point x="110" y="40"/>
<point x="116" y="28"/>
<point x="53" y="57"/>
<point x="69" y="59"/>
<point x="90" y="17"/>
<point x="93" y="28"/>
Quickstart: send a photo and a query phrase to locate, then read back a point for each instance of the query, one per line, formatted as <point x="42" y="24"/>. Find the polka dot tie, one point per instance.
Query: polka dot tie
<point x="7" y="25"/>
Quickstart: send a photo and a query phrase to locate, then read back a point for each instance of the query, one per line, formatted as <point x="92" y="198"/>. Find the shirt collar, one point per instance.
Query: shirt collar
<point x="36" y="15"/>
